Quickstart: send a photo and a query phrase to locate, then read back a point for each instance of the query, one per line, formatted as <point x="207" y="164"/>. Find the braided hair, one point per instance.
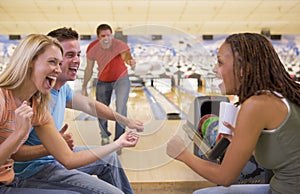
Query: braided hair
<point x="258" y="69"/>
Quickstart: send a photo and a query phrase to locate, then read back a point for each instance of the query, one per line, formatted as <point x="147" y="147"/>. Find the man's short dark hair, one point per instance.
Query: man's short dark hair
<point x="103" y="27"/>
<point x="64" y="33"/>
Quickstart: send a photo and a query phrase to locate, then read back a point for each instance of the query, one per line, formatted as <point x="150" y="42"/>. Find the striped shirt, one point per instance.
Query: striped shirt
<point x="8" y="126"/>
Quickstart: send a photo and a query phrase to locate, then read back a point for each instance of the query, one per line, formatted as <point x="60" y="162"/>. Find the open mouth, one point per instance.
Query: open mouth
<point x="73" y="69"/>
<point x="51" y="81"/>
<point x="218" y="81"/>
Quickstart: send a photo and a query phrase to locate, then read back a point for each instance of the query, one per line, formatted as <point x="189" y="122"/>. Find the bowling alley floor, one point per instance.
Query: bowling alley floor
<point x="147" y="166"/>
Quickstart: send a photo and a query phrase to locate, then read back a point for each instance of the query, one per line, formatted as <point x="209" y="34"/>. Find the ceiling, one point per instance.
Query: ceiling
<point x="135" y="16"/>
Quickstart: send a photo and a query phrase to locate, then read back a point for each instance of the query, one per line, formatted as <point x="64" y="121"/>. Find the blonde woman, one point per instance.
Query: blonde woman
<point x="24" y="88"/>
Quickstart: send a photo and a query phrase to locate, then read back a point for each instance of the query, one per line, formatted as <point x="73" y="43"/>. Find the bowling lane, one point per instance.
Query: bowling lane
<point x="138" y="106"/>
<point x="183" y="98"/>
<point x="147" y="162"/>
<point x="149" y="153"/>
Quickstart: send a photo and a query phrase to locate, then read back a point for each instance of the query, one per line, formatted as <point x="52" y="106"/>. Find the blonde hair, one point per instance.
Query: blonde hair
<point x="20" y="63"/>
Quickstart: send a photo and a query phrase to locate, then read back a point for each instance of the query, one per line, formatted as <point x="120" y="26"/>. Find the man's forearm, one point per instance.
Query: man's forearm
<point x="106" y="112"/>
<point x="27" y="152"/>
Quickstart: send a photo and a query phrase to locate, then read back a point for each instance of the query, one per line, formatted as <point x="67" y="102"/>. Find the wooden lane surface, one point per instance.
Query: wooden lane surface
<point x="147" y="162"/>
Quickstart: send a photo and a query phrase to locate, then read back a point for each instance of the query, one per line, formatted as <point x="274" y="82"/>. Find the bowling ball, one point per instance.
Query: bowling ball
<point x="201" y="121"/>
<point x="212" y="131"/>
<point x="206" y="123"/>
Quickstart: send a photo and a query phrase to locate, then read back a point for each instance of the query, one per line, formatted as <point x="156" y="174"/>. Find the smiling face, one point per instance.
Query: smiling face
<point x="224" y="70"/>
<point x="45" y="69"/>
<point x="71" y="61"/>
<point x="105" y="38"/>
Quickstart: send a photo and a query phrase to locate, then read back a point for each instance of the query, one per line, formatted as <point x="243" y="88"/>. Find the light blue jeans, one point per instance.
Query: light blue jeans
<point x="12" y="189"/>
<point x="112" y="178"/>
<point x="108" y="169"/>
<point x="237" y="189"/>
<point x="104" y="91"/>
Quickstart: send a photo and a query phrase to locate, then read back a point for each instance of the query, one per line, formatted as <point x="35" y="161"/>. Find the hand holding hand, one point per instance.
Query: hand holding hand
<point x="67" y="137"/>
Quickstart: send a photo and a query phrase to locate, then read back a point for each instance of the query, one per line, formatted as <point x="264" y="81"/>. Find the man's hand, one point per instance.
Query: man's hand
<point x="67" y="137"/>
<point x="135" y="124"/>
<point x="131" y="63"/>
